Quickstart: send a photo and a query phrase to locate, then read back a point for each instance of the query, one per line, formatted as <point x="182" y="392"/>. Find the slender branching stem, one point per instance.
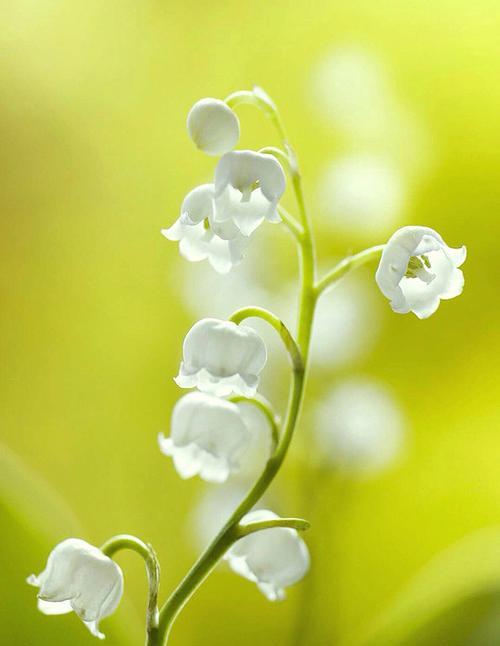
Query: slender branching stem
<point x="346" y="265"/>
<point x="278" y="153"/>
<point x="293" y="523"/>
<point x="146" y="551"/>
<point x="289" y="342"/>
<point x="291" y="223"/>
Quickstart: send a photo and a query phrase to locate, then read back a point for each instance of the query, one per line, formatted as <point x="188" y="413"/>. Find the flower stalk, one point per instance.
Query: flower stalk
<point x="298" y="351"/>
<point x="147" y="553"/>
<point x="346" y="265"/>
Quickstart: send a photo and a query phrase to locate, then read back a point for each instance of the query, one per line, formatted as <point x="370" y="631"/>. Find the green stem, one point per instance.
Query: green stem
<point x="291" y="223"/>
<point x="289" y="342"/>
<point x="298" y="351"/>
<point x="346" y="265"/>
<point x="278" y="153"/>
<point x="298" y="524"/>
<point x="146" y="551"/>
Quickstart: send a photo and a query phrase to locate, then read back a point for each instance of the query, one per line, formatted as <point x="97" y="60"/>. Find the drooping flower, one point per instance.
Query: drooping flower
<point x="418" y="269"/>
<point x="248" y="187"/>
<point x="213" y="126"/>
<point x="220" y="357"/>
<point x="196" y="239"/>
<point x="80" y="578"/>
<point x="208" y="437"/>
<point x="272" y="558"/>
<point x="359" y="427"/>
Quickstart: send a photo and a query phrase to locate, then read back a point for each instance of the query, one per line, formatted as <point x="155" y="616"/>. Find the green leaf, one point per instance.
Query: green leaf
<point x="34" y="518"/>
<point x="456" y="587"/>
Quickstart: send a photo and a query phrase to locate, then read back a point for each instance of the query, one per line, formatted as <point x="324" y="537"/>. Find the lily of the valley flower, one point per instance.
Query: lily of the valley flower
<point x="196" y="239"/>
<point x="220" y="357"/>
<point x="418" y="269"/>
<point x="272" y="558"/>
<point x="213" y="126"/>
<point x="248" y="187"/>
<point x="208" y="437"/>
<point x="80" y="578"/>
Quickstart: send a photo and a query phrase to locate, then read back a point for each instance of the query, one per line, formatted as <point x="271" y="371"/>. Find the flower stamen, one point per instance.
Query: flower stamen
<point x="417" y="268"/>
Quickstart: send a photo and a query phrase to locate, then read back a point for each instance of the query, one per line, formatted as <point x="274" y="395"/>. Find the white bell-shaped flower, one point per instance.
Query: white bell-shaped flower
<point x="80" y="578"/>
<point x="248" y="187"/>
<point x="272" y="558"/>
<point x="220" y="357"/>
<point x="213" y="126"/>
<point x="196" y="239"/>
<point x="208" y="437"/>
<point x="418" y="269"/>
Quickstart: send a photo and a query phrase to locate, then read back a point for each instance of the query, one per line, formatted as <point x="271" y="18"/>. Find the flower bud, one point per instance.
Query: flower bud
<point x="213" y="126"/>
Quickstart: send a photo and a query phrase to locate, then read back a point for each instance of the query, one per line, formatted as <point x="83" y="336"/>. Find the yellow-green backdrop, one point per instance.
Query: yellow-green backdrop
<point x="95" y="161"/>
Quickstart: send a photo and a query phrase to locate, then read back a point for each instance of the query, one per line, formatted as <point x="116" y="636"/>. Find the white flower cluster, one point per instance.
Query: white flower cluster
<point x="217" y="219"/>
<point x="211" y="436"/>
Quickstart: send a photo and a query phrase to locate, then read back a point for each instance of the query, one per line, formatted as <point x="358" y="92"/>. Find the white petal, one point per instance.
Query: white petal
<point x="186" y="460"/>
<point x="233" y="216"/>
<point x="197" y="243"/>
<point x="54" y="607"/>
<point x="455" y="285"/>
<point x="223" y="255"/>
<point x="198" y="204"/>
<point x="192" y="245"/>
<point x="175" y="232"/>
<point x="270" y="591"/>
<point x="426" y="309"/>
<point x="242" y="169"/>
<point x="94" y="629"/>
<point x="214" y="469"/>
<point x="457" y="255"/>
<point x="166" y="445"/>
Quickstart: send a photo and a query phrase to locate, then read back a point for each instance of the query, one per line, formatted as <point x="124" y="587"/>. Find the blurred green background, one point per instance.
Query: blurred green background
<point x="95" y="303"/>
